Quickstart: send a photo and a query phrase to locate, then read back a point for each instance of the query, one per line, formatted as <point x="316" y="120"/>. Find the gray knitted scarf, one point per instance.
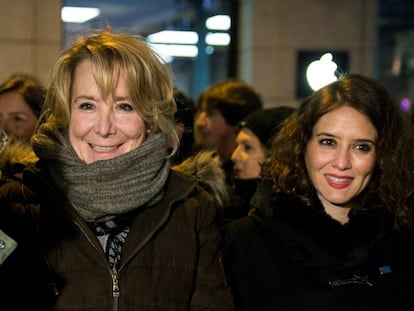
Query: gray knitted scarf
<point x="101" y="190"/>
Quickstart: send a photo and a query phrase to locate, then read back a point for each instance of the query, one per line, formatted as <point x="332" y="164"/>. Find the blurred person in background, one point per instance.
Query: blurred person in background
<point x="184" y="121"/>
<point x="253" y="142"/>
<point x="21" y="101"/>
<point x="220" y="108"/>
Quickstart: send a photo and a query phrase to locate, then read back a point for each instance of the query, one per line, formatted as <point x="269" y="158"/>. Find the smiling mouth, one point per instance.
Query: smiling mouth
<point x="338" y="180"/>
<point x="103" y="148"/>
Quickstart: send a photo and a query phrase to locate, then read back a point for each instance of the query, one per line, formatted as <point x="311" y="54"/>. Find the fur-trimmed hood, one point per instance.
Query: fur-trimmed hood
<point x="206" y="167"/>
<point x="16" y="155"/>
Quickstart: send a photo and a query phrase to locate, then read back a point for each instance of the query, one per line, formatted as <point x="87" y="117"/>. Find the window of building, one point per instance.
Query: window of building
<point x="195" y="36"/>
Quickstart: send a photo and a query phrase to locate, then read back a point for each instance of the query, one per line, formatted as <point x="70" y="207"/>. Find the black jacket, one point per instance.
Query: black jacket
<point x="289" y="256"/>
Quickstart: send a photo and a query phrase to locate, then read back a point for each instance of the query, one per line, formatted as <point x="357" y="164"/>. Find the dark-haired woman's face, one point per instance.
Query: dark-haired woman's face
<point x="248" y="155"/>
<point x="16" y="116"/>
<point x="341" y="154"/>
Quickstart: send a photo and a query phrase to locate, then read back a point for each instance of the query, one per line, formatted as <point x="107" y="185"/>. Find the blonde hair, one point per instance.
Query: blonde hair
<point x="148" y="78"/>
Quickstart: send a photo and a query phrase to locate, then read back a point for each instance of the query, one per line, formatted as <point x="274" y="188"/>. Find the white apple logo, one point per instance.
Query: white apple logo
<point x="321" y="72"/>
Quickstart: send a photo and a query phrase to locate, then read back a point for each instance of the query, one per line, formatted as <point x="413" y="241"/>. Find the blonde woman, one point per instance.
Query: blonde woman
<point x="118" y="228"/>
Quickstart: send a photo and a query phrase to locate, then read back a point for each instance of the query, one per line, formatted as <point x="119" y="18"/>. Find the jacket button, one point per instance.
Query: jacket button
<point x="2" y="244"/>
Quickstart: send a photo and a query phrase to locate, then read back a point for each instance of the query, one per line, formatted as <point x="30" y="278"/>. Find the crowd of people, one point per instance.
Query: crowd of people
<point x="120" y="192"/>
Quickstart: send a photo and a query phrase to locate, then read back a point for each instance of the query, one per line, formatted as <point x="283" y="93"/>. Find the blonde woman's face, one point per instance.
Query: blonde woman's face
<point x="248" y="155"/>
<point x="101" y="129"/>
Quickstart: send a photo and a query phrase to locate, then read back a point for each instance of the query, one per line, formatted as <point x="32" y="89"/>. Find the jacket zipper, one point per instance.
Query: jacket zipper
<point x="115" y="291"/>
<point x="114" y="276"/>
<point x="115" y="281"/>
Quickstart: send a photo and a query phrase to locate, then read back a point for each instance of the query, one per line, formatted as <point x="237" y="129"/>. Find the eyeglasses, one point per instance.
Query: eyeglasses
<point x="3" y="140"/>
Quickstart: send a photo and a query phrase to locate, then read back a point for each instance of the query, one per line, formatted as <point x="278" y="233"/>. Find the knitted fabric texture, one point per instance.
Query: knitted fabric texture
<point x="101" y="190"/>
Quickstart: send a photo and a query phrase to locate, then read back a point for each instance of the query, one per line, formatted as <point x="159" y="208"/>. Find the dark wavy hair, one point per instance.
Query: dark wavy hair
<point x="392" y="181"/>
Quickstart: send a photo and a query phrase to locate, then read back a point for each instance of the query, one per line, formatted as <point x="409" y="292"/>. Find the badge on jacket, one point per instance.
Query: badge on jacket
<point x="7" y="246"/>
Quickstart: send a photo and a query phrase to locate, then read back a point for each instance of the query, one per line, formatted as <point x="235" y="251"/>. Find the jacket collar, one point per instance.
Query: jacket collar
<point x="313" y="236"/>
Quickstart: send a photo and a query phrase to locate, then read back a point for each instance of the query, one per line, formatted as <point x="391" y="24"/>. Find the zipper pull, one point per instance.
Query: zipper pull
<point x="356" y="279"/>
<point x="115" y="285"/>
<point x="115" y="291"/>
